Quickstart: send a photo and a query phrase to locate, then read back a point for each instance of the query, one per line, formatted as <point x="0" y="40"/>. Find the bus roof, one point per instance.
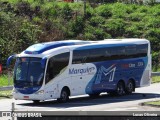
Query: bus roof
<point x="110" y="43"/>
<point x="49" y="47"/>
<point x="42" y="47"/>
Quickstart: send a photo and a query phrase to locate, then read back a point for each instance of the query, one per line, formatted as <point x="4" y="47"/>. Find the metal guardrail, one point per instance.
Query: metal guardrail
<point x="6" y="88"/>
<point x="11" y="87"/>
<point x="155" y="73"/>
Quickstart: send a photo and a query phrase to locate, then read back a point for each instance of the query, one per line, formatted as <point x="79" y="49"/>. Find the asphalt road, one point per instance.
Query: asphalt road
<point x="84" y="103"/>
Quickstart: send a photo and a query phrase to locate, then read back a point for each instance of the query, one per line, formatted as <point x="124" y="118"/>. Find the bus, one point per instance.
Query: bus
<point x="58" y="70"/>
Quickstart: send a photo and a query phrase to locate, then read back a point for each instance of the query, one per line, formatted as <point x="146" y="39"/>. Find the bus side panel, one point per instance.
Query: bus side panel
<point x="80" y="75"/>
<point x="110" y="72"/>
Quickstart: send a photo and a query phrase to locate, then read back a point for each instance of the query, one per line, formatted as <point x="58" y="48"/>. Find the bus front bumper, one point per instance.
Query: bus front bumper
<point x="19" y="96"/>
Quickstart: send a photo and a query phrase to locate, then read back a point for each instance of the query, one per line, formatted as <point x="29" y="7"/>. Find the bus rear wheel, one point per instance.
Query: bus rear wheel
<point x="64" y="97"/>
<point x="120" y="89"/>
<point x="130" y="87"/>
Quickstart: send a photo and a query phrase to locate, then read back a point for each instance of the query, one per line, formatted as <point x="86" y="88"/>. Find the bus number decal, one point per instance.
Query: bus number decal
<point x="140" y="64"/>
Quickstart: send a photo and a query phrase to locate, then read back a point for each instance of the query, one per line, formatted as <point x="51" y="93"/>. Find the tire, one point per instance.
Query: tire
<point x="94" y="95"/>
<point x="120" y="89"/>
<point x="36" y="101"/>
<point x="130" y="87"/>
<point x="113" y="93"/>
<point x="64" y="97"/>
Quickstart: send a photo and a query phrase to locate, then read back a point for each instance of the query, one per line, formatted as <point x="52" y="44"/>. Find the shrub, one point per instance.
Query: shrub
<point x="151" y="22"/>
<point x="66" y="11"/>
<point x="154" y="36"/>
<point x="120" y="11"/>
<point x="137" y="16"/>
<point x="97" y="20"/>
<point x="115" y="27"/>
<point x="75" y="27"/>
<point x="104" y="11"/>
<point x="131" y="31"/>
<point x="21" y="34"/>
<point x="89" y="11"/>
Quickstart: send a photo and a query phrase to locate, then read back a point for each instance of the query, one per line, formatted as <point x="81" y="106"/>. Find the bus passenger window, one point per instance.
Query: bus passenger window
<point x="130" y="51"/>
<point x="142" y="50"/>
<point x="56" y="64"/>
<point x="80" y="56"/>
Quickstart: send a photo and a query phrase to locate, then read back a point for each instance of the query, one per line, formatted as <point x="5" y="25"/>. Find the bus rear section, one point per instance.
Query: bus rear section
<point x="115" y="68"/>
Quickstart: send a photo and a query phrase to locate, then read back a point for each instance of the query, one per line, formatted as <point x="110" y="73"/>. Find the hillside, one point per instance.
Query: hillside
<point x="25" y="22"/>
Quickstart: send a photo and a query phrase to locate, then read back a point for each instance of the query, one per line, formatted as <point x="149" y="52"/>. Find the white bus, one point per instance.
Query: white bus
<point x="57" y="70"/>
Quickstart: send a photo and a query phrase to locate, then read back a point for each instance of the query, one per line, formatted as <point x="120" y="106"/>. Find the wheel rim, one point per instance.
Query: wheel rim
<point x="130" y="87"/>
<point x="64" y="95"/>
<point x="120" y="89"/>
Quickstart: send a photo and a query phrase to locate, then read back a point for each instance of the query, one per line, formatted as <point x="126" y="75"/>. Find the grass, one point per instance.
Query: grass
<point x="153" y="103"/>
<point x="5" y="80"/>
<point x="6" y="94"/>
<point x="156" y="79"/>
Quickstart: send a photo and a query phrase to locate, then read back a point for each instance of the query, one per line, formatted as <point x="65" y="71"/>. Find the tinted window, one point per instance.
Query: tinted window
<point x="131" y="51"/>
<point x="142" y="50"/>
<point x="109" y="53"/>
<point x="56" y="65"/>
<point x="116" y="53"/>
<point x="95" y="55"/>
<point x="80" y="56"/>
<point x="88" y="55"/>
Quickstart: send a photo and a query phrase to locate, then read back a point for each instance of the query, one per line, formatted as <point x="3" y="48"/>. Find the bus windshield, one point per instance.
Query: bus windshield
<point x="28" y="72"/>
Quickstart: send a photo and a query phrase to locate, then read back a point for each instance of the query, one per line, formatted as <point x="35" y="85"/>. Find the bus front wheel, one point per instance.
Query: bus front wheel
<point x="36" y="101"/>
<point x="64" y="97"/>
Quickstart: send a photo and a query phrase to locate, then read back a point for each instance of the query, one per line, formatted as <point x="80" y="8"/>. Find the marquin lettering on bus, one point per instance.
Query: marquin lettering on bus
<point x="81" y="71"/>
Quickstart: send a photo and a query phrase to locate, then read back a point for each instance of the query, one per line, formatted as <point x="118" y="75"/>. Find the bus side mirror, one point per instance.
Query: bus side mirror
<point x="43" y="62"/>
<point x="9" y="59"/>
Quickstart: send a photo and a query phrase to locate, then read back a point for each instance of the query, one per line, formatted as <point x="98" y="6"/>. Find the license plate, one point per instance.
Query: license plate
<point x="26" y="97"/>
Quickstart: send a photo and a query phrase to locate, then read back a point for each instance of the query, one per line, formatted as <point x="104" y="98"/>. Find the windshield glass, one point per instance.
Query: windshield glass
<point x="28" y="72"/>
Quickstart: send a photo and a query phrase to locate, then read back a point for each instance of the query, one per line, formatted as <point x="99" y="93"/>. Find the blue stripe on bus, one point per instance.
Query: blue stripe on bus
<point x="40" y="48"/>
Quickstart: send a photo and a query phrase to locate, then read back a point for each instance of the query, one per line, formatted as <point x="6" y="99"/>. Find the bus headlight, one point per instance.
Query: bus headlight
<point x="40" y="92"/>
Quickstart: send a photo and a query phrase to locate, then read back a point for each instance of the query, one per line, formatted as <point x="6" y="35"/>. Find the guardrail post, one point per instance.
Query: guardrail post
<point x="12" y="110"/>
<point x="9" y="77"/>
